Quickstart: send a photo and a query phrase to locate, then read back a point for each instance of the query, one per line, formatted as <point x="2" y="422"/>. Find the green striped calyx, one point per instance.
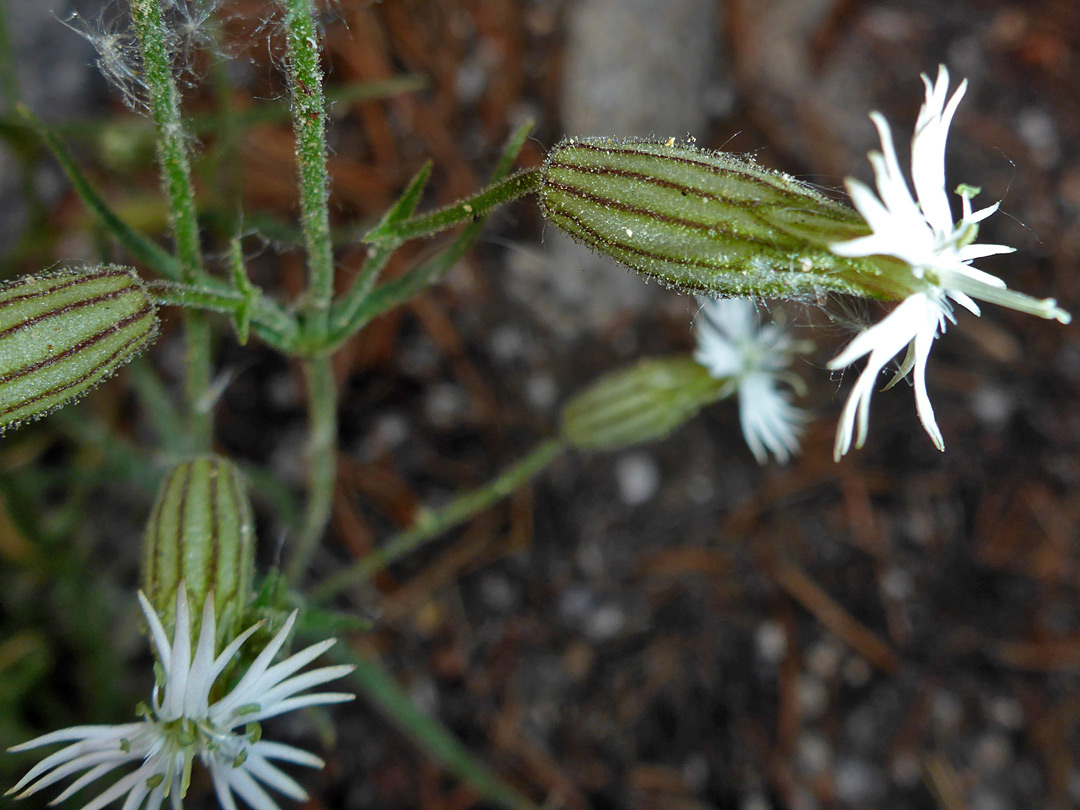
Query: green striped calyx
<point x="706" y="221"/>
<point x="201" y="533"/>
<point x="640" y="403"/>
<point x="62" y="333"/>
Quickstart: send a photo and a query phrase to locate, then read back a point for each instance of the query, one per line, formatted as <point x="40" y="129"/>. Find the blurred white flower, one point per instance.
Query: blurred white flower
<point x="938" y="250"/>
<point x="733" y="344"/>
<point x="182" y="724"/>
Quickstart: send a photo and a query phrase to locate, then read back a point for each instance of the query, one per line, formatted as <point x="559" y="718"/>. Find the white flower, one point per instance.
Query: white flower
<point x="182" y="724"/>
<point x="938" y="252"/>
<point x="732" y="344"/>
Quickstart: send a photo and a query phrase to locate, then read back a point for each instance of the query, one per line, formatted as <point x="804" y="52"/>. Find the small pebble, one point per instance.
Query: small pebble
<point x="695" y="773"/>
<point x="1006" y="712"/>
<point x="992" y="406"/>
<point x="857" y="672"/>
<point x="541" y="390"/>
<point x="388" y="431"/>
<point x="824" y="658"/>
<point x="905" y="770"/>
<point x="771" y="642"/>
<point x="898" y="584"/>
<point x="282" y="392"/>
<point x="444" y="404"/>
<point x="755" y="801"/>
<point x="575" y="603"/>
<point x="423" y="693"/>
<point x="507" y="342"/>
<point x="700" y="488"/>
<point x="858" y="783"/>
<point x="1038" y="132"/>
<point x="947" y="713"/>
<point x="813" y="697"/>
<point x="993" y="753"/>
<point x="638" y="478"/>
<point x="985" y="799"/>
<point x="813" y="753"/>
<point x="604" y="623"/>
<point x="497" y="592"/>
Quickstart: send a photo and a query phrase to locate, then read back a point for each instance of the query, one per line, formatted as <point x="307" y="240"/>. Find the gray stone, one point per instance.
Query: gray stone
<point x="633" y="68"/>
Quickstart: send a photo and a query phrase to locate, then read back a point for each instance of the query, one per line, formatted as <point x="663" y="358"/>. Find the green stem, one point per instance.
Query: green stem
<point x="431" y="524"/>
<point x="159" y="406"/>
<point x="378" y="255"/>
<point x="172" y="151"/>
<point x="309" y="125"/>
<point x="322" y="462"/>
<point x="467" y="210"/>
<point x="268" y="321"/>
<point x="395" y="293"/>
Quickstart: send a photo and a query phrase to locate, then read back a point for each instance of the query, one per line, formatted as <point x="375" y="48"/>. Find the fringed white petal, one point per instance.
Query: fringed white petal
<point x="921" y="232"/>
<point x="182" y="726"/>
<point x="733" y="344"/>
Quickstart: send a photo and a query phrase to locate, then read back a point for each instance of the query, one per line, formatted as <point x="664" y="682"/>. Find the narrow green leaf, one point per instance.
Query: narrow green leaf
<point x="514" y="144"/>
<point x="342" y="311"/>
<point x="468" y="210"/>
<point x="354" y="311"/>
<point x="406" y="204"/>
<point x="159" y="405"/>
<point x="243" y="285"/>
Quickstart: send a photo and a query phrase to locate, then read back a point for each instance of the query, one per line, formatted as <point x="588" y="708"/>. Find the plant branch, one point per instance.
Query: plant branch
<point x="467" y="210"/>
<point x="172" y="150"/>
<point x="272" y="324"/>
<point x="322" y="462"/>
<point x="361" y="303"/>
<point x="309" y="124"/>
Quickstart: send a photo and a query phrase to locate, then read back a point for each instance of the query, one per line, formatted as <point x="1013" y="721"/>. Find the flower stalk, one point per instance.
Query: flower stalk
<point x="172" y="151"/>
<point x="322" y="461"/>
<point x="309" y="125"/>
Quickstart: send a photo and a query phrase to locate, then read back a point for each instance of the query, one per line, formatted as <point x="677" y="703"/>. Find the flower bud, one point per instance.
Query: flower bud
<point x="707" y="221"/>
<point x="201" y="533"/>
<point x="638" y="404"/>
<point x="63" y="333"/>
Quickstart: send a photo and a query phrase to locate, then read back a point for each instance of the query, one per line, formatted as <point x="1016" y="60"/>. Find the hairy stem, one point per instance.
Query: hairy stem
<point x="472" y="208"/>
<point x="309" y="124"/>
<point x="172" y="151"/>
<point x="272" y="324"/>
<point x="322" y="462"/>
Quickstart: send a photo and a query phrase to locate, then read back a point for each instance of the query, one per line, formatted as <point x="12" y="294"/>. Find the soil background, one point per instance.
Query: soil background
<point x="673" y="626"/>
